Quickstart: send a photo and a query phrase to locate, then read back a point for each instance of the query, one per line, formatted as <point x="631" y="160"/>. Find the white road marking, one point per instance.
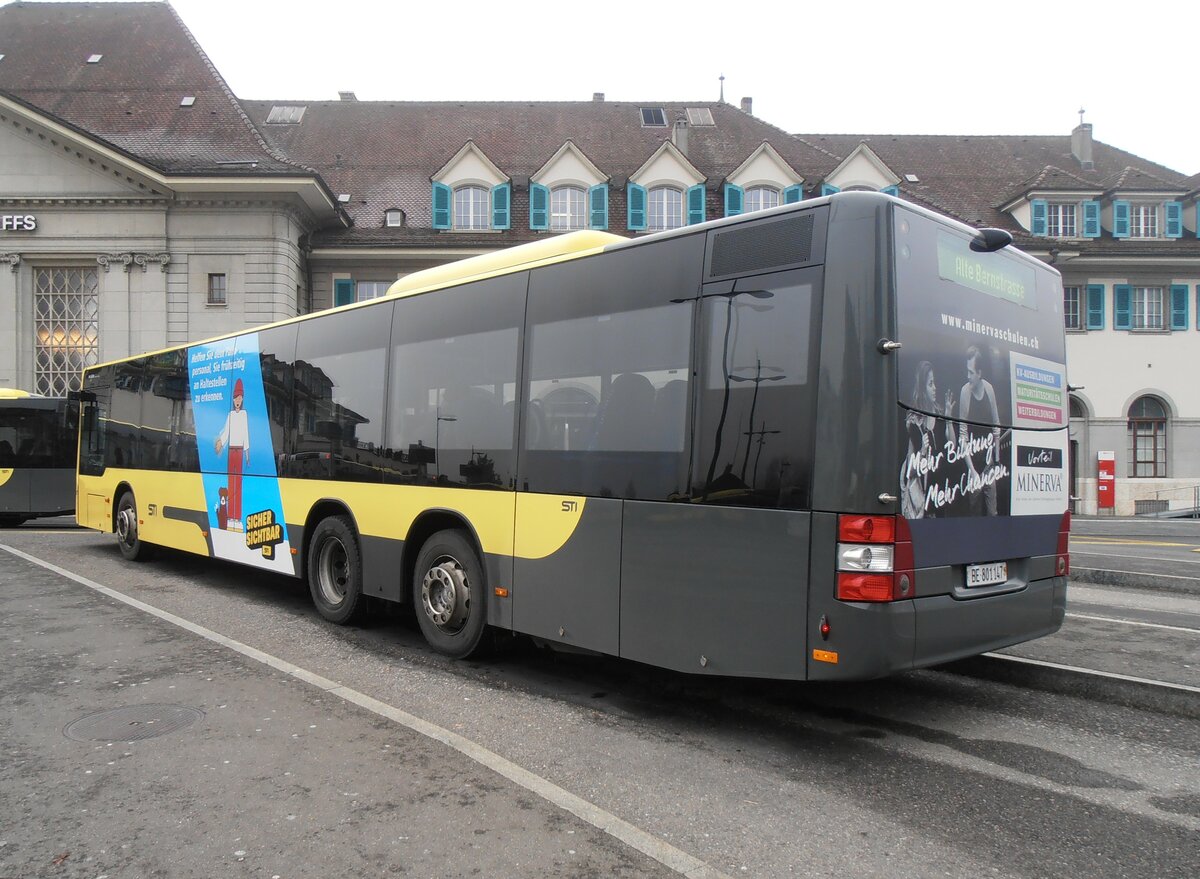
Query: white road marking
<point x="663" y="852"/>
<point x="1088" y="616"/>
<point x="1091" y="671"/>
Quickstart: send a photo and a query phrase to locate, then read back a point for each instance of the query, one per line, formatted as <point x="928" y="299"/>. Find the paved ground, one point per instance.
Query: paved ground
<point x="269" y="776"/>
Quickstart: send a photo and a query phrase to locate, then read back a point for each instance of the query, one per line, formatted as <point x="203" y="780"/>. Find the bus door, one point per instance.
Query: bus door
<point x="717" y="583"/>
<point x="607" y="380"/>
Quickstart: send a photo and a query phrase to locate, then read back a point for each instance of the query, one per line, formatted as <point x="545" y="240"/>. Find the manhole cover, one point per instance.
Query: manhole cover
<point x="131" y="723"/>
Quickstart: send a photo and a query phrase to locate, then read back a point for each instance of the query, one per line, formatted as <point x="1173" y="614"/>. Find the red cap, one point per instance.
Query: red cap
<point x="237" y="389"/>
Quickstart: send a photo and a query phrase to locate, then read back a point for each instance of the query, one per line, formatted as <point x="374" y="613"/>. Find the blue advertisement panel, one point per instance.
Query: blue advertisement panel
<point x="237" y="459"/>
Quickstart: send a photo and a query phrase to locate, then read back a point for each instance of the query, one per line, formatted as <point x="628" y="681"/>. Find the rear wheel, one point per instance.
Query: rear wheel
<point x="449" y="595"/>
<point x="335" y="577"/>
<point x="130" y="544"/>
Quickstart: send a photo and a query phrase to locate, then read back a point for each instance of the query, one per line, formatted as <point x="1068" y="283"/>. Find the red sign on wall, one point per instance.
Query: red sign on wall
<point x="1106" y="480"/>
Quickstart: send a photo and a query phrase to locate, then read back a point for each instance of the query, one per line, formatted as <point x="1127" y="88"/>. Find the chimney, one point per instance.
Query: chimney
<point x="1081" y="145"/>
<point x="347" y="96"/>
<point x="747" y="106"/>
<point x="679" y="135"/>
<point x="598" y="97"/>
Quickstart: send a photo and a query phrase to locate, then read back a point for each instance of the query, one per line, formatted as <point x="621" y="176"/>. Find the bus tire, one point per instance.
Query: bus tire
<point x="449" y="595"/>
<point x="129" y="541"/>
<point x="335" y="572"/>
<point x="11" y="521"/>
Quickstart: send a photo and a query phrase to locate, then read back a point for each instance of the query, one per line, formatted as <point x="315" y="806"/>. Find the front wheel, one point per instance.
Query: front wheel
<point x="131" y="545"/>
<point x="448" y="595"/>
<point x="335" y="576"/>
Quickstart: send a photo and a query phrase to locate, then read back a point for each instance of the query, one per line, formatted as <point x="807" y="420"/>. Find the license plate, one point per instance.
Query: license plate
<point x="987" y="575"/>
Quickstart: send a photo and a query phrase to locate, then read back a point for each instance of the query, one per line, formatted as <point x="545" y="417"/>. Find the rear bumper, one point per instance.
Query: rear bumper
<point x="874" y="640"/>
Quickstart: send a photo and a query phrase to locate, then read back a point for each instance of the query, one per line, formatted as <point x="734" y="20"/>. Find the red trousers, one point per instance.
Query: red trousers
<point x="233" y="503"/>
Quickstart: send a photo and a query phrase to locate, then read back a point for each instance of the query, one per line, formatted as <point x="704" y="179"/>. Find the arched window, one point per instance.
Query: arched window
<point x="1077" y="409"/>
<point x="471" y="208"/>
<point x="665" y="209"/>
<point x="1148" y="435"/>
<point x="759" y="197"/>
<point x="568" y="208"/>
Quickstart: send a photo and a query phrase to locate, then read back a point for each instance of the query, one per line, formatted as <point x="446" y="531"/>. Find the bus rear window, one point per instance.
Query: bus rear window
<point x="982" y="333"/>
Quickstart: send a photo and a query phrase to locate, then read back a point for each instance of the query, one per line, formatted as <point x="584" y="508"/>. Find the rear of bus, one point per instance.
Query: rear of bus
<point x="965" y="551"/>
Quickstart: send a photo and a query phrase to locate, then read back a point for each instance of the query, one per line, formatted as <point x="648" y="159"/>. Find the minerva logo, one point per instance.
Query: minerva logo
<point x="1031" y="460"/>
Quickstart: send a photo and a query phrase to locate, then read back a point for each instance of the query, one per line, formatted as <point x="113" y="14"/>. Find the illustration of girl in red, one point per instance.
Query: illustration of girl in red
<point x="235" y="436"/>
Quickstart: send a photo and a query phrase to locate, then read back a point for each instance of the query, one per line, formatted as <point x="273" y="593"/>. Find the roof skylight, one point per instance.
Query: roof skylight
<point x="653" y="117"/>
<point x="700" y="116"/>
<point x="94" y="59"/>
<point x="286" y="115"/>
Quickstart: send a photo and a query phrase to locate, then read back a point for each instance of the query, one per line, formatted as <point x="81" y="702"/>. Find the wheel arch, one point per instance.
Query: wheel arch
<point x="324" y="509"/>
<point x="122" y="487"/>
<point x="427" y="524"/>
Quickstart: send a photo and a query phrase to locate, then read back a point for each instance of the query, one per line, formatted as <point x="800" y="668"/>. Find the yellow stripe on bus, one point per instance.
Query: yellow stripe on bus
<point x="5" y="474"/>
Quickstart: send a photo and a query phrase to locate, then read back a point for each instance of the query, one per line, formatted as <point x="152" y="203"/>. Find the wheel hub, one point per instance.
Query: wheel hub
<point x="127" y="525"/>
<point x="446" y="594"/>
<point x="333" y="571"/>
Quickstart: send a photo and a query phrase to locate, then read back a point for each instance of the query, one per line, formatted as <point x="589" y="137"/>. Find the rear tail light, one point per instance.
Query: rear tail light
<point x="1063" y="566"/>
<point x="874" y="559"/>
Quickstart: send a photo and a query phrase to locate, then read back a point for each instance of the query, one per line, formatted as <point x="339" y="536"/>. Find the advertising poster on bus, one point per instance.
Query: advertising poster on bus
<point x="982" y="380"/>
<point x="237" y="458"/>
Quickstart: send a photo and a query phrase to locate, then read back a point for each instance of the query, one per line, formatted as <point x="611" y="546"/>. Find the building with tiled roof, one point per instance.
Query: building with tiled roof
<point x="169" y="210"/>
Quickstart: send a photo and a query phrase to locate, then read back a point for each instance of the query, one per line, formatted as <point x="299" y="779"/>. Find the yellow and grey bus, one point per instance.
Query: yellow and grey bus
<point x="37" y="457"/>
<point x="821" y="441"/>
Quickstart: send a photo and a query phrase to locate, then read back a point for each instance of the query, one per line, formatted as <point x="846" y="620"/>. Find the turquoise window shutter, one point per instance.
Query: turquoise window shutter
<point x="635" y="207"/>
<point x="441" y="205"/>
<point x="501" y="200"/>
<point x="891" y="190"/>
<point x="1198" y="306"/>
<point x="598" y="206"/>
<point x="539" y="206"/>
<point x="735" y="200"/>
<point x="695" y="204"/>
<point x="1095" y="306"/>
<point x="343" y="291"/>
<point x="1122" y="306"/>
<point x="828" y="189"/>
<point x="793" y="194"/>
<point x="1179" y="307"/>
<point x="1174" y="213"/>
<point x="1091" y="219"/>
<point x="1037" y="221"/>
<point x="1120" y="219"/>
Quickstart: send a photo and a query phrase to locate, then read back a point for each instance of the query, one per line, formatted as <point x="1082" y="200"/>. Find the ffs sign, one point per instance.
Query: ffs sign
<point x="17" y="222"/>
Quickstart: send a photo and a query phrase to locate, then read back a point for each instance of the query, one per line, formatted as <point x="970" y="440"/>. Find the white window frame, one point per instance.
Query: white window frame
<point x="758" y="198"/>
<point x="472" y="208"/>
<point x="1073" y="308"/>
<point x="568" y="208"/>
<point x="665" y="209"/>
<point x="393" y="217"/>
<point x="364" y="290"/>
<point x="1143" y="220"/>
<point x="1062" y="219"/>
<point x="1147" y="309"/>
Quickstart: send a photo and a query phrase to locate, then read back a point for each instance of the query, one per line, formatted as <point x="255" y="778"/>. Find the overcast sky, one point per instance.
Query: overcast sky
<point x="861" y="66"/>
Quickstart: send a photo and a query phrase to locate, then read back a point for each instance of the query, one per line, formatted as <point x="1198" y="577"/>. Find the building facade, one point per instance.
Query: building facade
<point x="131" y="220"/>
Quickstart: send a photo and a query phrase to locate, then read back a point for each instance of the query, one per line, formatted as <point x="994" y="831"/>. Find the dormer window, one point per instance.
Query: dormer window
<point x="568" y="208"/>
<point x="761" y="197"/>
<point x="665" y="209"/>
<point x="1143" y="220"/>
<point x="393" y="217"/>
<point x="1060" y="219"/>
<point x="470" y="208"/>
